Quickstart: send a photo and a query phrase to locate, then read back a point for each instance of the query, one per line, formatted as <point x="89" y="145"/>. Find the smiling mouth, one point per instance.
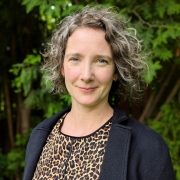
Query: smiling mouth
<point x="87" y="89"/>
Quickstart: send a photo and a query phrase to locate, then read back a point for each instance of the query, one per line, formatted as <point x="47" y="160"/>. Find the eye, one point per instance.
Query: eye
<point x="73" y="59"/>
<point x="102" y="61"/>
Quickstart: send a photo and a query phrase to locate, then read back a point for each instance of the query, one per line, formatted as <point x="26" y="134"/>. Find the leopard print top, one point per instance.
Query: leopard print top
<point x="67" y="157"/>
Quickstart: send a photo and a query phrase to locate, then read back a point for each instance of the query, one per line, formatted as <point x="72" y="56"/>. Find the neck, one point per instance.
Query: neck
<point x="82" y="120"/>
<point x="85" y="113"/>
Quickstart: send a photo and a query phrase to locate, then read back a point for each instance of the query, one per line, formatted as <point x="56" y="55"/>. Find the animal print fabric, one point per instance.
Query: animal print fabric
<point x="66" y="157"/>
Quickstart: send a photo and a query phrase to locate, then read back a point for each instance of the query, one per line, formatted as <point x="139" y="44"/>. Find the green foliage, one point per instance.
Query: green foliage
<point x="26" y="73"/>
<point x="46" y="6"/>
<point x="27" y="76"/>
<point x="169" y="128"/>
<point x="51" y="11"/>
<point x="163" y="53"/>
<point x="12" y="164"/>
<point x="3" y="164"/>
<point x="171" y="7"/>
<point x="152" y="71"/>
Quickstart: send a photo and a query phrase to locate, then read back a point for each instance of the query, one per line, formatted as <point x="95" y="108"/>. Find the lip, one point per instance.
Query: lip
<point x="84" y="89"/>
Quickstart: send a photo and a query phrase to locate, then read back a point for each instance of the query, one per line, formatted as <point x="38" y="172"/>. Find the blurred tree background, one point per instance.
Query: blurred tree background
<point x="26" y="26"/>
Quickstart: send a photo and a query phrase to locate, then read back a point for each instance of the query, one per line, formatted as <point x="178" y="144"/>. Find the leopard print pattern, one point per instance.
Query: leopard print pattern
<point x="66" y="157"/>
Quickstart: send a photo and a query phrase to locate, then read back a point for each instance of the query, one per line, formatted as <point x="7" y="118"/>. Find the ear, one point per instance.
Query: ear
<point x="62" y="72"/>
<point x="115" y="78"/>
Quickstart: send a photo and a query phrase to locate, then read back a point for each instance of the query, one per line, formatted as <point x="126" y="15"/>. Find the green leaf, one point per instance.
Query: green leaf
<point x="153" y="67"/>
<point x="30" y="4"/>
<point x="160" y="8"/>
<point x="163" y="53"/>
<point x="173" y="8"/>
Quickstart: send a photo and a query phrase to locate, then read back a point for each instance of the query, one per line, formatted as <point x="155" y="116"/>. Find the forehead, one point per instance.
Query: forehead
<point x="85" y="32"/>
<point x="91" y="38"/>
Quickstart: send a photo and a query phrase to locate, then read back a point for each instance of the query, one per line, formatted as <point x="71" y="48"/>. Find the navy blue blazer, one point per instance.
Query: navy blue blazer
<point x="133" y="151"/>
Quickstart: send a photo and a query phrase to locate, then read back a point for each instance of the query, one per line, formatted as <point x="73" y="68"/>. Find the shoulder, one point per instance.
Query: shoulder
<point x="43" y="129"/>
<point x="146" y="138"/>
<point x="140" y="133"/>
<point x="149" y="152"/>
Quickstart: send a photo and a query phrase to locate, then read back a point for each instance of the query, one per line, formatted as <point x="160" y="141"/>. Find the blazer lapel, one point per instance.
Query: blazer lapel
<point x="34" y="150"/>
<point x="115" y="161"/>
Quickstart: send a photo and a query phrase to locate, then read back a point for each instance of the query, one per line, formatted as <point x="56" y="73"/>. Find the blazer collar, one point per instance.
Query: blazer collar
<point x="119" y="116"/>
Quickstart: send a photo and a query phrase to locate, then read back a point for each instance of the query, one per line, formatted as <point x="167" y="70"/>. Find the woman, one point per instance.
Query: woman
<point x="93" y="57"/>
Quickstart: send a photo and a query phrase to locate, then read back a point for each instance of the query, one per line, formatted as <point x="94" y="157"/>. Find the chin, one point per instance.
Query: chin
<point x="90" y="102"/>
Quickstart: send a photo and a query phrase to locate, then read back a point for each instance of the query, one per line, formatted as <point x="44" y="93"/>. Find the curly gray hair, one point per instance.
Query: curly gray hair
<point x="126" y="50"/>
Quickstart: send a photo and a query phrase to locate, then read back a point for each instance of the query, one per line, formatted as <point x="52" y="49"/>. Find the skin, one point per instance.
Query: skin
<point x="89" y="71"/>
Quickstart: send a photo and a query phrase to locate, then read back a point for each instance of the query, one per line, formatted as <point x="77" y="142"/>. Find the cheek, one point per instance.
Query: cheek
<point x="70" y="73"/>
<point x="105" y="77"/>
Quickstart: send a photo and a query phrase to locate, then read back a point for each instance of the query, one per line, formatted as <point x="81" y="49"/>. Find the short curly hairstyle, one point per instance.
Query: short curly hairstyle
<point x="126" y="50"/>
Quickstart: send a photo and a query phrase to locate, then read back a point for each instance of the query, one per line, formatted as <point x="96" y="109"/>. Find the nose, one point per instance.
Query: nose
<point x="87" y="72"/>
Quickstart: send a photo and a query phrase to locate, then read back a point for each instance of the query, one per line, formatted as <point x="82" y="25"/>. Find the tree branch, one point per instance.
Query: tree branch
<point x="145" y="22"/>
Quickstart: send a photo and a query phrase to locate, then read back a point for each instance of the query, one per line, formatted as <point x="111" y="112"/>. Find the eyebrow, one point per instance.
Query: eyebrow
<point x="73" y="54"/>
<point x="96" y="56"/>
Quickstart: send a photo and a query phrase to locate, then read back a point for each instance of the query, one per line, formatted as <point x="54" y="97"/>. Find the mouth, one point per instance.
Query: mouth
<point x="84" y="89"/>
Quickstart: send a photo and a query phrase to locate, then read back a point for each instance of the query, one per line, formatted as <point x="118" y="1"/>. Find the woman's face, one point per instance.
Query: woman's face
<point x="88" y="67"/>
